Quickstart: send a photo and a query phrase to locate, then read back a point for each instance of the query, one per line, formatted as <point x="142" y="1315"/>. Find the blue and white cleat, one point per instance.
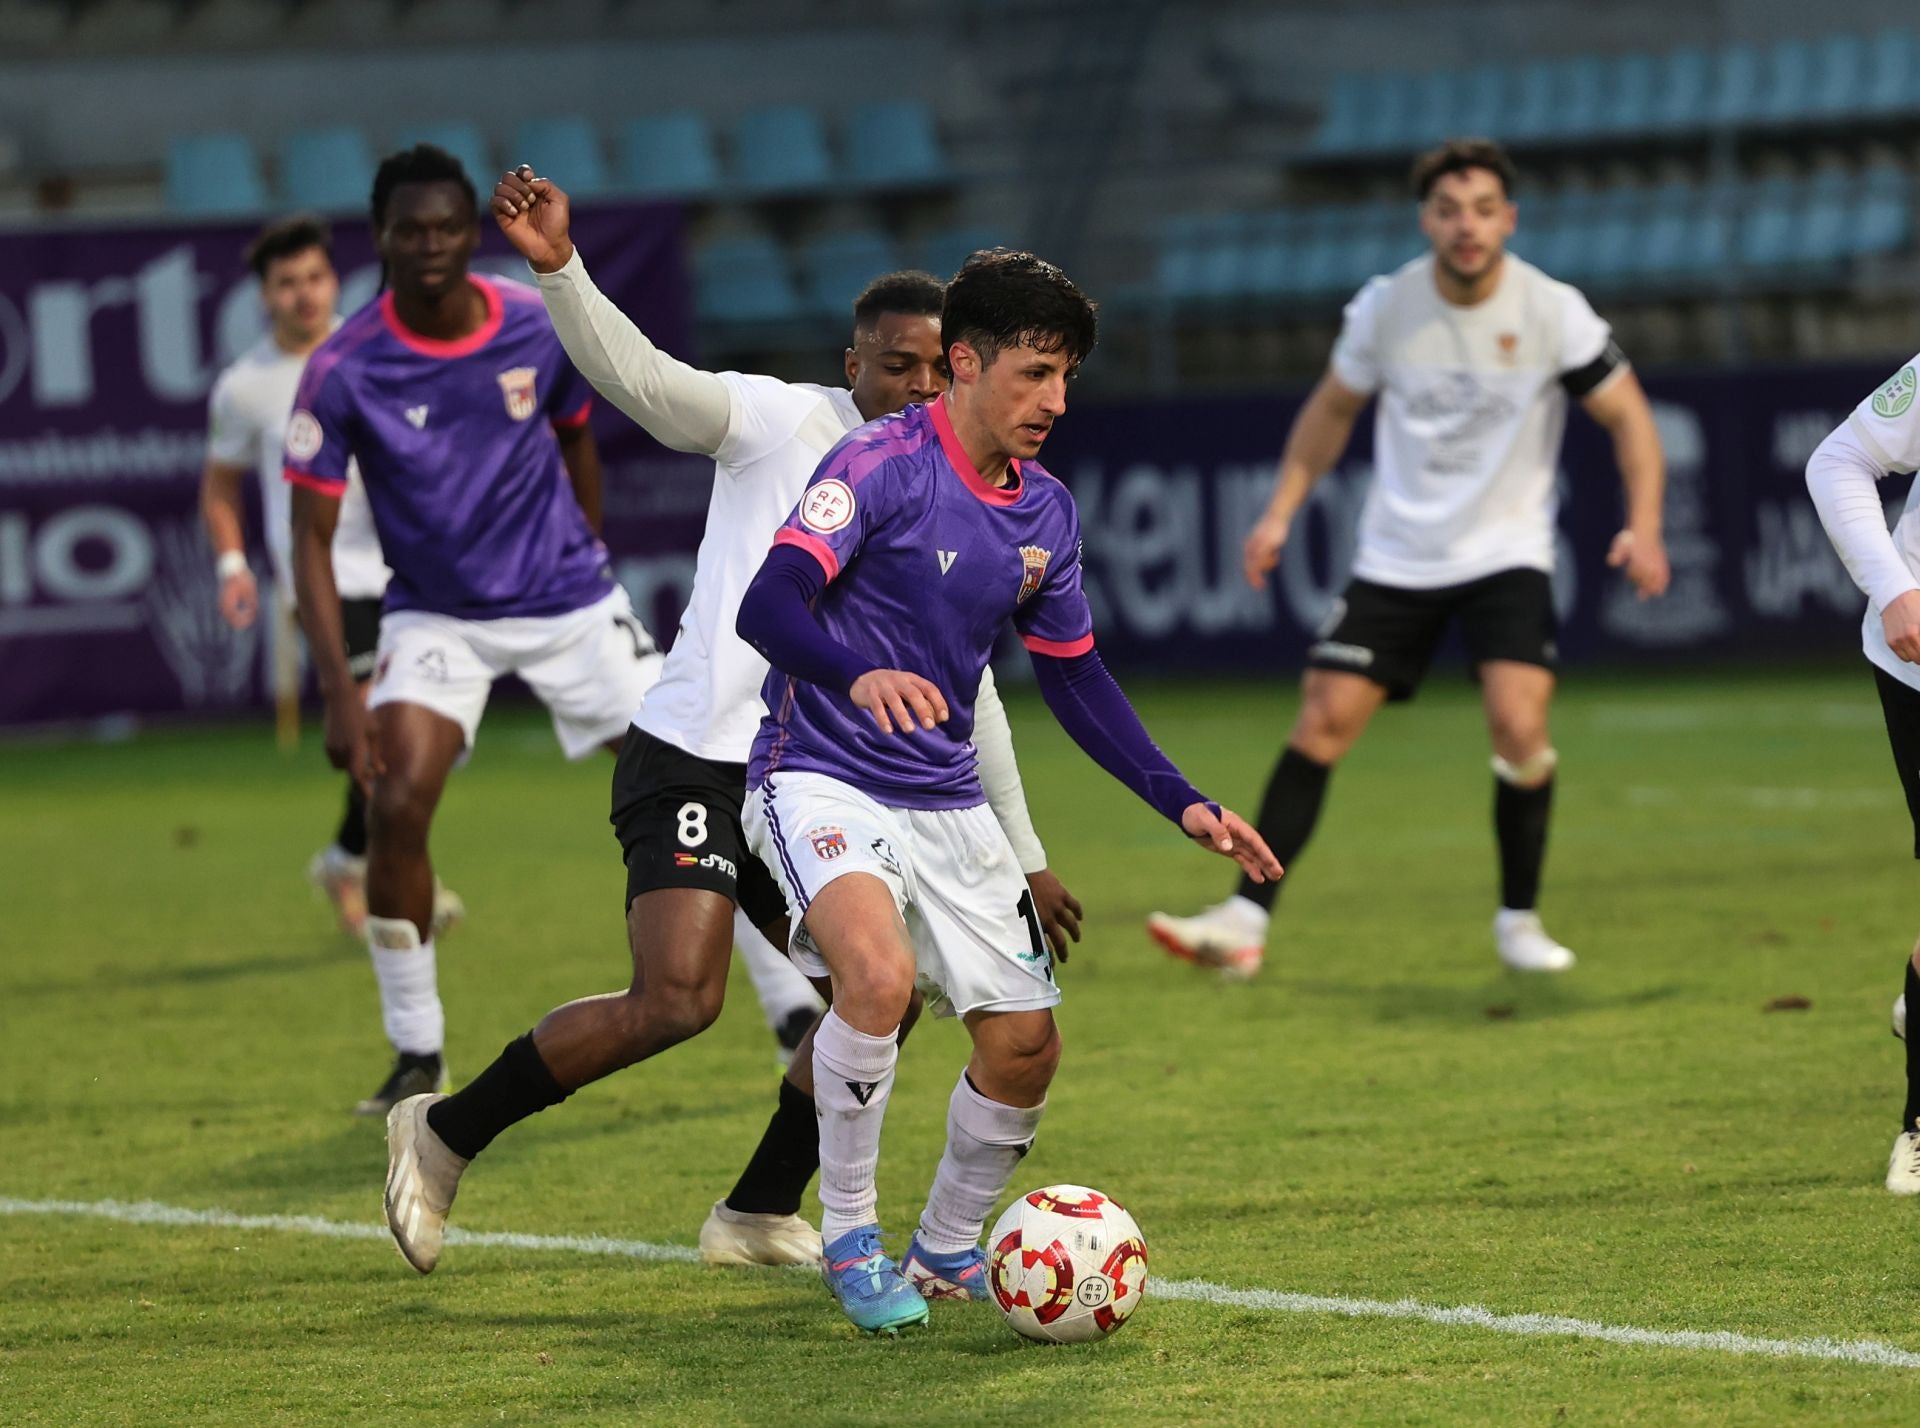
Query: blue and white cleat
<point x="960" y="1276"/>
<point x="871" y="1290"/>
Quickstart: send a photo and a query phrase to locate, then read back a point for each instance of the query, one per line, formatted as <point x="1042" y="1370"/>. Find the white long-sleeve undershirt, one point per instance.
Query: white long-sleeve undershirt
<point x="679" y="405"/>
<point x="1000" y="775"/>
<point x="1843" y="478"/>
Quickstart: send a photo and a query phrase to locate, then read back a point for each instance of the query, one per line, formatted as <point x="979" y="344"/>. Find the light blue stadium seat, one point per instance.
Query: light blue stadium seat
<point x="1273" y="250"/>
<point x="1786" y="84"/>
<point x="668" y="156"/>
<point x="1483" y="100"/>
<point x="1670" y="211"/>
<point x="1539" y="221"/>
<point x="1709" y="245"/>
<point x="1893" y="73"/>
<point x="1829" y="201"/>
<point x="1839" y="77"/>
<point x="210" y="174"/>
<point x="835" y="268"/>
<point x="1882" y="221"/>
<point x="1618" y="225"/>
<point x="465" y="143"/>
<point x="745" y="280"/>
<point x="1627" y="99"/>
<point x="781" y="150"/>
<point x="566" y="149"/>
<point x="327" y="170"/>
<point x="1386" y="118"/>
<point x="1531" y="116"/>
<point x="1324" y="269"/>
<point x="943" y="252"/>
<point x="1343" y="121"/>
<point x="1575" y="247"/>
<point x="1735" y="96"/>
<point x="893" y="144"/>
<point x="1769" y="222"/>
<point x="1433" y="108"/>
<point x="1580" y="87"/>
<point x="1683" y="86"/>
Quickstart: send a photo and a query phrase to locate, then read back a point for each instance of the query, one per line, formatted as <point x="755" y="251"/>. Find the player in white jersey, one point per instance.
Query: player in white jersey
<point x="681" y="779"/>
<point x="247" y="427"/>
<point x="1473" y="355"/>
<point x="1882" y="436"/>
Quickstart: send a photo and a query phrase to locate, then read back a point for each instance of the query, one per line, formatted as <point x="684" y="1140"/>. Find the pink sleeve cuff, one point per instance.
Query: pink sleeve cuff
<point x="578" y="418"/>
<point x="1059" y="649"/>
<point x="325" y="485"/>
<point x="818" y="549"/>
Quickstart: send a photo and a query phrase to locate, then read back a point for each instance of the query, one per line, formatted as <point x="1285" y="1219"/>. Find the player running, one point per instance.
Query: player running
<point x="920" y="538"/>
<point x="1474" y="354"/>
<point x="1882" y="436"/>
<point x="469" y="426"/>
<point x="681" y="780"/>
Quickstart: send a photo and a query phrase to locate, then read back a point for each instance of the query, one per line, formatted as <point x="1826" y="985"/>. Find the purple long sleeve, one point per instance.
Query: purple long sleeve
<point x="776" y="620"/>
<point x="1092" y="709"/>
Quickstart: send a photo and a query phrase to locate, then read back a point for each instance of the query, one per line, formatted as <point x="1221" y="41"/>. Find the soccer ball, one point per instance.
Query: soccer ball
<point x="1067" y="1264"/>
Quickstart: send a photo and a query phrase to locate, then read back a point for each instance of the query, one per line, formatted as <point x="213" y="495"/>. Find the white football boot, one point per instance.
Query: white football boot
<point x="1903" y="1166"/>
<point x="449" y="908"/>
<point x="1230" y="936"/>
<point x="737" y="1237"/>
<point x="343" y="878"/>
<point x="1525" y="946"/>
<point x="1900" y="1016"/>
<point x="422" y="1176"/>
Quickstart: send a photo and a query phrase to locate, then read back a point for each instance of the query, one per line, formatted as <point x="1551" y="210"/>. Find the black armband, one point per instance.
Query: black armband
<point x="1582" y="380"/>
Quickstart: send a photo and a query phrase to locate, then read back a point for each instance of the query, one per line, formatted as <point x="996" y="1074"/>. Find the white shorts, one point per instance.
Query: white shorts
<point x="589" y="667"/>
<point x="976" y="938"/>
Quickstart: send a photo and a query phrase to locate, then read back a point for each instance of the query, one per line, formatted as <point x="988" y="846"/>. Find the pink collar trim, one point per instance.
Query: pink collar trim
<point x="958" y="459"/>
<point x="433" y="347"/>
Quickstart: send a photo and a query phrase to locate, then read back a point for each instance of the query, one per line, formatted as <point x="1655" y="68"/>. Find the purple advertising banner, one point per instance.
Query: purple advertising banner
<point x="1167" y="491"/>
<point x="110" y="339"/>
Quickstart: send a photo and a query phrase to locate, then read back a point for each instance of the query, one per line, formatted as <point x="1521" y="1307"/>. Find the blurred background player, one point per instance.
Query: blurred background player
<point x="1474" y="354"/>
<point x="469" y="426"/>
<point x="681" y="779"/>
<point x="1880" y="437"/>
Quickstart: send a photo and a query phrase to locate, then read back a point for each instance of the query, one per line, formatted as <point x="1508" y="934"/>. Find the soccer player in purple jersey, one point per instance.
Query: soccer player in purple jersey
<point x="468" y="424"/>
<point x="921" y="536"/>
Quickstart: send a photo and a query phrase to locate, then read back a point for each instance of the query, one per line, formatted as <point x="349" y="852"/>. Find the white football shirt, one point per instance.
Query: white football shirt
<point x="1470" y="417"/>
<point x="247" y="426"/>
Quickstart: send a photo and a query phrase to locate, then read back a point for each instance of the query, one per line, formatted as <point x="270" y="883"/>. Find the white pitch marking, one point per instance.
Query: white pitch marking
<point x="1271" y="1301"/>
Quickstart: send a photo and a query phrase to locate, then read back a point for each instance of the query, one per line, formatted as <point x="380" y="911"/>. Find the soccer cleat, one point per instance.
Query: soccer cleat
<point x="422" y="1176"/>
<point x="411" y="1076"/>
<point x="343" y="878"/>
<point x="1903" y="1166"/>
<point x="1524" y="945"/>
<point x="960" y="1276"/>
<point x="741" y="1237"/>
<point x="1225" y="937"/>
<point x="792" y="1031"/>
<point x="448" y="908"/>
<point x="869" y="1287"/>
<point x="1900" y="1016"/>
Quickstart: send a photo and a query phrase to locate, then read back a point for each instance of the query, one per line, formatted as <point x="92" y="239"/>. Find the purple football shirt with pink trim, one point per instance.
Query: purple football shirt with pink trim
<point x="455" y="442"/>
<point x="926" y="565"/>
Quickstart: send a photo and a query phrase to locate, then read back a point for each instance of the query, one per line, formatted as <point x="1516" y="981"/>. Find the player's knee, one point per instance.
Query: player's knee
<point x="666" y="1012"/>
<point x="398" y="808"/>
<point x="875" y="981"/>
<point x="1026" y="1063"/>
<point x="1325" y="731"/>
<point x="1518" y="736"/>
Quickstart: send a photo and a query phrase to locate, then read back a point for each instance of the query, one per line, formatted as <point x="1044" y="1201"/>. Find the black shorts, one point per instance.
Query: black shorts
<point x="1389" y="633"/>
<point x="1901" y="704"/>
<point x="360" y="622"/>
<point x="678" y="821"/>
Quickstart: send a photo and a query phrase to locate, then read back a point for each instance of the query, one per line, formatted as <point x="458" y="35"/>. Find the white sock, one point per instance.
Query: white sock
<point x="409" y="986"/>
<point x="852" y="1078"/>
<point x="1246" y="913"/>
<point x="780" y="985"/>
<point x="985" y="1141"/>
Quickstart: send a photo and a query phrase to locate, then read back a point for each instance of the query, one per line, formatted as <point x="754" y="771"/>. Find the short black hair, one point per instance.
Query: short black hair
<point x="286" y="236"/>
<point x="423" y="163"/>
<point x="1456" y="156"/>
<point x="1004" y="298"/>
<point x="909" y="292"/>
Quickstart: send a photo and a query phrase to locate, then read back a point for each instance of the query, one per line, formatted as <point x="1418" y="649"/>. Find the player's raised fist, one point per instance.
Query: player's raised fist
<point x="1262" y="550"/>
<point x="535" y="214"/>
<point x="899" y="700"/>
<point x="1231" y="836"/>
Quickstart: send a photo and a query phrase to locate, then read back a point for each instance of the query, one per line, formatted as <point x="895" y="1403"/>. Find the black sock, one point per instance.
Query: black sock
<point x="352" y="837"/>
<point x="513" y="1088"/>
<point x="784" y="1161"/>
<point x="1913" y="1048"/>
<point x="1288" y="811"/>
<point x="1520" y="818"/>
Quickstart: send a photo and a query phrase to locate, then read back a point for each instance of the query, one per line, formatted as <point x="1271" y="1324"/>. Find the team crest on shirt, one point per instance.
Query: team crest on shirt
<point x="517" y="387"/>
<point x="828" y="843"/>
<point x="828" y="506"/>
<point x="1509" y="348"/>
<point x="1033" y="563"/>
<point x="304" y="436"/>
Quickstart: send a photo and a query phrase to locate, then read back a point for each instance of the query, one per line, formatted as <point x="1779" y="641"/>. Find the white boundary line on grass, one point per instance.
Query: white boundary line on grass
<point x="1268" y="1301"/>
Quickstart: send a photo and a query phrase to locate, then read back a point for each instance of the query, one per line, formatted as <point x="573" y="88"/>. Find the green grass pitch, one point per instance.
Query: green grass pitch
<point x="1384" y="1114"/>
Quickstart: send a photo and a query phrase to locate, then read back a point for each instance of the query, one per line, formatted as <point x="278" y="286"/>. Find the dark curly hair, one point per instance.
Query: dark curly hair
<point x="909" y="292"/>
<point x="1003" y="298"/>
<point x="1456" y="156"/>
<point x="423" y="163"/>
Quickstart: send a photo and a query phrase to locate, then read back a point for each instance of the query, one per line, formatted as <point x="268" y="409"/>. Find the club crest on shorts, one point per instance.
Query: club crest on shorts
<point x="517" y="386"/>
<point x="1033" y="563"/>
<point x="828" y="843"/>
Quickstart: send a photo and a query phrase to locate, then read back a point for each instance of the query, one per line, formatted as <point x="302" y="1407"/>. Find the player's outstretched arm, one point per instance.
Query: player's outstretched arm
<point x="224" y="517"/>
<point x="678" y="405"/>
<point x="1059" y="910"/>
<point x="1621" y="407"/>
<point x="1320" y="433"/>
<point x="1843" y="480"/>
<point x="349" y="733"/>
<point x="1096" y="715"/>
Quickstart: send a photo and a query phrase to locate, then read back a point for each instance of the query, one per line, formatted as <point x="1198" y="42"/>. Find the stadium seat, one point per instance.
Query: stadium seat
<point x="327" y="170"/>
<point x="1579" y="89"/>
<point x="745" y="280"/>
<point x="1683" y="85"/>
<point x="669" y="156"/>
<point x="1483" y="100"/>
<point x="1530" y="117"/>
<point x="1892" y="84"/>
<point x="1433" y="109"/>
<point x="464" y="142"/>
<point x="1627" y="99"/>
<point x="1385" y="118"/>
<point x="1828" y="211"/>
<point x="1786" y="84"/>
<point x="943" y="252"/>
<point x="1616" y="235"/>
<point x="1839" y="78"/>
<point x="1273" y="246"/>
<point x="1769" y="222"/>
<point x="1343" y="122"/>
<point x="1709" y="245"/>
<point x="1735" y="95"/>
<point x="835" y="268"/>
<point x="1670" y="210"/>
<point x="564" y="149"/>
<point x="1574" y="244"/>
<point x="781" y="150"/>
<point x="1882" y="220"/>
<point x="893" y="145"/>
<point x="1322" y="270"/>
<point x="209" y="174"/>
